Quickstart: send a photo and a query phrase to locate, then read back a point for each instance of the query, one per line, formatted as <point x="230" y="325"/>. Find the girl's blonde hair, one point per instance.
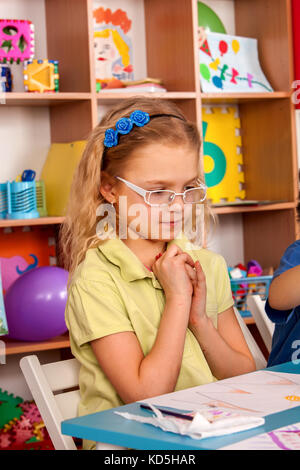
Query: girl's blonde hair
<point x="78" y="232"/>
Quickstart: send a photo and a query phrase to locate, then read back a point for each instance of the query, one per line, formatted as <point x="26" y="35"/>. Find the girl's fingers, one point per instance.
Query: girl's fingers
<point x="187" y="259"/>
<point x="173" y="251"/>
<point x="191" y="273"/>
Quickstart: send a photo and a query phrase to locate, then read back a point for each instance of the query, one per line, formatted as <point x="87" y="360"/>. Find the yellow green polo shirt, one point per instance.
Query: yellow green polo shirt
<point x="111" y="292"/>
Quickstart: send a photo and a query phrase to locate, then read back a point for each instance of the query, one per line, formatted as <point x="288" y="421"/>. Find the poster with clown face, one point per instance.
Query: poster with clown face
<point x="112" y="46"/>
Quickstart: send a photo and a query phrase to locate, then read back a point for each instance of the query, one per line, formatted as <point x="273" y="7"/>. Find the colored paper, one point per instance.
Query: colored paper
<point x="57" y="175"/>
<point x="231" y="66"/>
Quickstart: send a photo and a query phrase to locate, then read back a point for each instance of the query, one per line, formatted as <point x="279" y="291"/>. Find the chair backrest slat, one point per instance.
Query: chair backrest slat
<point x="258" y="356"/>
<point x="67" y="403"/>
<point x="62" y="375"/>
<point x="263" y="323"/>
<point x="49" y="405"/>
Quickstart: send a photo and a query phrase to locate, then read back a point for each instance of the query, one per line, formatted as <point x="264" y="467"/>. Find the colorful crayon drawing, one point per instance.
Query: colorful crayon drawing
<point x="112" y="46"/>
<point x="230" y="64"/>
<point x="285" y="438"/>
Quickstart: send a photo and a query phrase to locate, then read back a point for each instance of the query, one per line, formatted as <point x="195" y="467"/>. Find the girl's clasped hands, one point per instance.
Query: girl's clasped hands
<point x="184" y="280"/>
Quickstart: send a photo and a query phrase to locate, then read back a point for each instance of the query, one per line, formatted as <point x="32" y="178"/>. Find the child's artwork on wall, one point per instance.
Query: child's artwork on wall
<point x="230" y="64"/>
<point x="3" y="321"/>
<point x="23" y="249"/>
<point x="222" y="153"/>
<point x="112" y="46"/>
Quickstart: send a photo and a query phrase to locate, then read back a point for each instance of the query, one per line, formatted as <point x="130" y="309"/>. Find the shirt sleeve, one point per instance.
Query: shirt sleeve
<point x="95" y="309"/>
<point x="289" y="260"/>
<point x="222" y="283"/>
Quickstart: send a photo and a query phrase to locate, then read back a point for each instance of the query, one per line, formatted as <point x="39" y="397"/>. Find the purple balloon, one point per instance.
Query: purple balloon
<point x="35" y="304"/>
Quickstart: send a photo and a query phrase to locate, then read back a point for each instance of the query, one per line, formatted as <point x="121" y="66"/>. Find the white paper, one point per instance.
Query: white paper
<point x="231" y="64"/>
<point x="259" y="393"/>
<point x="209" y="423"/>
<point x="285" y="438"/>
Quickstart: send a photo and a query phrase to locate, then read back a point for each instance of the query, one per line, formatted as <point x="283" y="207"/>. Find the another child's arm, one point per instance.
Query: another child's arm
<point x="133" y="375"/>
<point x="284" y="292"/>
<point x="225" y="348"/>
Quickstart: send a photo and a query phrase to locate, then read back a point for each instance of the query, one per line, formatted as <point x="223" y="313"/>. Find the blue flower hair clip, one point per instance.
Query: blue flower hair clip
<point x="124" y="126"/>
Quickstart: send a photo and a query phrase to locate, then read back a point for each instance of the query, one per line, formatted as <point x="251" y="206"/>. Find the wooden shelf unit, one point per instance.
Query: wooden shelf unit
<point x="267" y="119"/>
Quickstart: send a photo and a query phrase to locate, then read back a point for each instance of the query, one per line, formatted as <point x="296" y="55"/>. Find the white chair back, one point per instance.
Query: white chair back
<point x="258" y="356"/>
<point x="264" y="325"/>
<point x="43" y="381"/>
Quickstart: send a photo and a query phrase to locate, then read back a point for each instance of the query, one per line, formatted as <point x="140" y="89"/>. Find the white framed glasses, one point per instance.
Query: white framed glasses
<point x="165" y="197"/>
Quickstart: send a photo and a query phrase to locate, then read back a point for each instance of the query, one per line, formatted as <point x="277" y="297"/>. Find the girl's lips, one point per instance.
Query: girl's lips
<point x="171" y="222"/>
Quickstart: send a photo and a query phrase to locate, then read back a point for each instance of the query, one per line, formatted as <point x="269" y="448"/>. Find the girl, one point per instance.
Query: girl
<point x="283" y="307"/>
<point x="147" y="313"/>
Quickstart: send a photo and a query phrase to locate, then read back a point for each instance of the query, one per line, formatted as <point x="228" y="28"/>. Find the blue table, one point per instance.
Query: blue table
<point x="106" y="426"/>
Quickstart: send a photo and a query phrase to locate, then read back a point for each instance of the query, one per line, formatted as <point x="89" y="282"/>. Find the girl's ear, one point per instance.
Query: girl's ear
<point x="107" y="187"/>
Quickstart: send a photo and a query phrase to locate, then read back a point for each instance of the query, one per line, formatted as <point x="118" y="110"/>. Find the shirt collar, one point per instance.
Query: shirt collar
<point x="131" y="267"/>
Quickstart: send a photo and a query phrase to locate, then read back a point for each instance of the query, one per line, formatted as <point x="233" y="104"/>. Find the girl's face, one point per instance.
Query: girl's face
<point x="156" y="167"/>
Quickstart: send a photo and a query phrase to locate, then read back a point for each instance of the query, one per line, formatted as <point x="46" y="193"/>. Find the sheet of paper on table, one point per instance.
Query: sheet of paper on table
<point x="258" y="394"/>
<point x="285" y="438"/>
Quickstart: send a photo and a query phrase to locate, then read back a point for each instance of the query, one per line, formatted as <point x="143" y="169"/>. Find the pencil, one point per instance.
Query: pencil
<point x="168" y="412"/>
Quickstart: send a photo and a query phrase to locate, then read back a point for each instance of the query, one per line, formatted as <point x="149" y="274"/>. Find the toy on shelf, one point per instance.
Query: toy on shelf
<point x="208" y="19"/>
<point x="16" y="41"/>
<point x="41" y="76"/>
<point x="248" y="281"/>
<point x="28" y="175"/>
<point x="223" y="159"/>
<point x="35" y="304"/>
<point x="23" y="198"/>
<point x="5" y="79"/>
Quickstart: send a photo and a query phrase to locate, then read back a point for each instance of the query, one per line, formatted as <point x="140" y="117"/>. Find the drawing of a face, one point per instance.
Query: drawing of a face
<point x="106" y="54"/>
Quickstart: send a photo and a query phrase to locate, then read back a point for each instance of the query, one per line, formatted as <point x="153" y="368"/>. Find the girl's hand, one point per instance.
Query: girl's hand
<point x="172" y="275"/>
<point x="198" y="306"/>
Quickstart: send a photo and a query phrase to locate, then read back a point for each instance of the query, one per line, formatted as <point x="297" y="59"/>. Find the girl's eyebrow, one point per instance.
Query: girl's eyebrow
<point x="169" y="182"/>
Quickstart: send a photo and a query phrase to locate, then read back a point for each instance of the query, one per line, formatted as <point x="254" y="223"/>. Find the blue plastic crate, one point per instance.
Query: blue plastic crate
<point x="245" y="286"/>
<point x="3" y="200"/>
<point x="21" y="200"/>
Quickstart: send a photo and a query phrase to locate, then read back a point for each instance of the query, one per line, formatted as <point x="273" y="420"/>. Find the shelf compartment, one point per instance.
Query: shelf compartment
<point x="267" y="235"/>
